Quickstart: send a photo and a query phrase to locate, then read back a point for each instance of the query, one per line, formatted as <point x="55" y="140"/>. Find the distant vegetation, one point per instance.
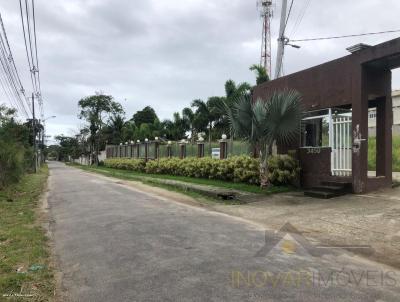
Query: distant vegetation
<point x="395" y="154"/>
<point x="106" y="121"/>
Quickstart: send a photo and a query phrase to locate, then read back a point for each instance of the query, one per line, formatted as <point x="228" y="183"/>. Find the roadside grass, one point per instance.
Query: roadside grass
<point x="132" y="175"/>
<point x="395" y="154"/>
<point x="23" y="243"/>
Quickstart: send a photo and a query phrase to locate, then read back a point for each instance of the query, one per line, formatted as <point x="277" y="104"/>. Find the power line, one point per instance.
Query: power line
<point x="300" y="18"/>
<point x="11" y="76"/>
<point x="346" y="36"/>
<point x="288" y="16"/>
<point x="14" y="69"/>
<point x="26" y="44"/>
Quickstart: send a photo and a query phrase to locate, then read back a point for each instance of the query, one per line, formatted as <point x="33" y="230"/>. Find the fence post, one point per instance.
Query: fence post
<point x="223" y="147"/>
<point x="156" y="148"/>
<point x="169" y="149"/>
<point x="138" y="149"/>
<point x="146" y="149"/>
<point x="200" y="148"/>
<point x="131" y="151"/>
<point x="120" y="149"/>
<point x="182" y="146"/>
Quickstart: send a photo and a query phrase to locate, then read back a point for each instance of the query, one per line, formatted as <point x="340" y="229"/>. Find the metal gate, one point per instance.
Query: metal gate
<point x="341" y="143"/>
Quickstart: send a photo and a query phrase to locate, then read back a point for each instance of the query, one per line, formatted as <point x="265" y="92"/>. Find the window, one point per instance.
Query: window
<point x="372" y="114"/>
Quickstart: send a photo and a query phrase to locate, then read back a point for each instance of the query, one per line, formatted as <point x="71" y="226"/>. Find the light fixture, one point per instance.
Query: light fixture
<point x="224" y="136"/>
<point x="146" y="140"/>
<point x="169" y="143"/>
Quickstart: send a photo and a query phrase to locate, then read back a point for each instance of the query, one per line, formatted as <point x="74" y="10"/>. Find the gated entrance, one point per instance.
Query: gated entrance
<point x="330" y="128"/>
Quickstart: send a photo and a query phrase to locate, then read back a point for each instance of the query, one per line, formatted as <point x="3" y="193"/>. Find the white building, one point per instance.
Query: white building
<point x="396" y="116"/>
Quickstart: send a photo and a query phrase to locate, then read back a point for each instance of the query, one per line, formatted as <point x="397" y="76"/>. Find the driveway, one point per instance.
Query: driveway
<point x="117" y="243"/>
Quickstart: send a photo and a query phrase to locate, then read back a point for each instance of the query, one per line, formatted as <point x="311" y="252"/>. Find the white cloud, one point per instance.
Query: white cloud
<point x="167" y="53"/>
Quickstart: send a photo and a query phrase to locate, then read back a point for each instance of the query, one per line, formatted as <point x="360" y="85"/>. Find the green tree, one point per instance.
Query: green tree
<point x="261" y="74"/>
<point x="265" y="123"/>
<point x="188" y="117"/>
<point x="97" y="110"/>
<point x="16" y="154"/>
<point x="69" y="147"/>
<point x="145" y="116"/>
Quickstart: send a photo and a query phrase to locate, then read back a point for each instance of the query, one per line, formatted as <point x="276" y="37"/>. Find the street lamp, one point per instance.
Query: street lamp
<point x="47" y="118"/>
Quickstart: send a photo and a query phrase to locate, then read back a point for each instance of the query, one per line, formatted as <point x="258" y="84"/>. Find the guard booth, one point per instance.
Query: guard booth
<point x="333" y="141"/>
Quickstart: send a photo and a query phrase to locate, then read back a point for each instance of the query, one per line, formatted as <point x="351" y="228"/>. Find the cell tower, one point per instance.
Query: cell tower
<point x="266" y="13"/>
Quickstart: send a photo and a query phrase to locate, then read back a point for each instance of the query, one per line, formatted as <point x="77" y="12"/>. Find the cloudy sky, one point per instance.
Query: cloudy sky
<point x="167" y="53"/>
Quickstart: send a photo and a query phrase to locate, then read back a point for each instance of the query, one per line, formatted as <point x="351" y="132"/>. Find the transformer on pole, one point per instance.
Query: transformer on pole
<point x="266" y="13"/>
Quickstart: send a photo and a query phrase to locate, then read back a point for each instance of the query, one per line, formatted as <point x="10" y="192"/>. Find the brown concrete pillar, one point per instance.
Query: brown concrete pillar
<point x="182" y="149"/>
<point x="200" y="149"/>
<point x="359" y="129"/>
<point x="146" y="151"/>
<point x="223" y="149"/>
<point x="169" y="150"/>
<point x="156" y="150"/>
<point x="384" y="121"/>
<point x="138" y="149"/>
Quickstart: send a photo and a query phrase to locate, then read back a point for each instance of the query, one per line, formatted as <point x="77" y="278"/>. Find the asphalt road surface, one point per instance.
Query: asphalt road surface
<point x="116" y="243"/>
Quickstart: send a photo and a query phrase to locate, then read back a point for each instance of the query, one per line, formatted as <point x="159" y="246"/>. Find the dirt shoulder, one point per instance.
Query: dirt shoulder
<point x="371" y="219"/>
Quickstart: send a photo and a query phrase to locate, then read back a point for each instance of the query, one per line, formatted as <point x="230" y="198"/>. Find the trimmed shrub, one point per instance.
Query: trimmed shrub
<point x="236" y="168"/>
<point x="126" y="164"/>
<point x="283" y="169"/>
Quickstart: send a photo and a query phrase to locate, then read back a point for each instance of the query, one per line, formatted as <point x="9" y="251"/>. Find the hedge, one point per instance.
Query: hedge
<point x="283" y="169"/>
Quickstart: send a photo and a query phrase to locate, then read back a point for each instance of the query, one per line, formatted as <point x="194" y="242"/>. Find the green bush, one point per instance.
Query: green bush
<point x="283" y="169"/>
<point x="236" y="168"/>
<point x="12" y="163"/>
<point x="126" y="164"/>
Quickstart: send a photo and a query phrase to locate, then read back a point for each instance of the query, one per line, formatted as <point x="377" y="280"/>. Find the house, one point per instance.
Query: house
<point x="337" y="97"/>
<point x="396" y="116"/>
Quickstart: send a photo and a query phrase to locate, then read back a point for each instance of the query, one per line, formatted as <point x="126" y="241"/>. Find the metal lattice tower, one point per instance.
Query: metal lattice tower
<point x="266" y="12"/>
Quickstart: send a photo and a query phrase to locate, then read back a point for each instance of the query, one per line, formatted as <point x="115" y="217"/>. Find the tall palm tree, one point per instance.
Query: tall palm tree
<point x="188" y="117"/>
<point x="205" y="115"/>
<point x="264" y="123"/>
<point x="261" y="73"/>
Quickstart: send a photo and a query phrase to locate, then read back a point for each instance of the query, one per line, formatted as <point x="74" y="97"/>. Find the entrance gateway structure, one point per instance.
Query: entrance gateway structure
<point x="333" y="145"/>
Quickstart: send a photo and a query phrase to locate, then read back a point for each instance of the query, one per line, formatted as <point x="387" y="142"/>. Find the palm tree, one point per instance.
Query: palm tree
<point x="261" y="73"/>
<point x="188" y="117"/>
<point x="265" y="123"/>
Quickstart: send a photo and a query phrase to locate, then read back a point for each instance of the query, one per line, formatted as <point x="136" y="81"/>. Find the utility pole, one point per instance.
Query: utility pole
<point x="34" y="135"/>
<point x="281" y="41"/>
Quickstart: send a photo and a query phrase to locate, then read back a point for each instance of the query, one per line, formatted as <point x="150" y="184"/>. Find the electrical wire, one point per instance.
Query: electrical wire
<point x="288" y="16"/>
<point x="346" y="36"/>
<point x="25" y="40"/>
<point x="300" y="18"/>
<point x="10" y="76"/>
<point x="14" y="69"/>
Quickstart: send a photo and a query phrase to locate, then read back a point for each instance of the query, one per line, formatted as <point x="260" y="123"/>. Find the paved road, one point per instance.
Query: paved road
<point x="115" y="243"/>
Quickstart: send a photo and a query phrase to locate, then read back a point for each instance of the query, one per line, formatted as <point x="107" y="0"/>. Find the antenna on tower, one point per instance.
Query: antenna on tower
<point x="266" y="13"/>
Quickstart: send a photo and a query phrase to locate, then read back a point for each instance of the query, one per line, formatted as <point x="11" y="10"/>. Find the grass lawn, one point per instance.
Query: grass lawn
<point x="24" y="255"/>
<point x="395" y="154"/>
<point x="131" y="175"/>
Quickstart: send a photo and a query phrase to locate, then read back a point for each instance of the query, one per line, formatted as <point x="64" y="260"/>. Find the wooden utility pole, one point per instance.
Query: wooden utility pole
<point x="34" y="135"/>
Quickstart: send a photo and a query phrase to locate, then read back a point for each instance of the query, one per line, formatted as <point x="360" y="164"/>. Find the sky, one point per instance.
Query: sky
<point x="167" y="53"/>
